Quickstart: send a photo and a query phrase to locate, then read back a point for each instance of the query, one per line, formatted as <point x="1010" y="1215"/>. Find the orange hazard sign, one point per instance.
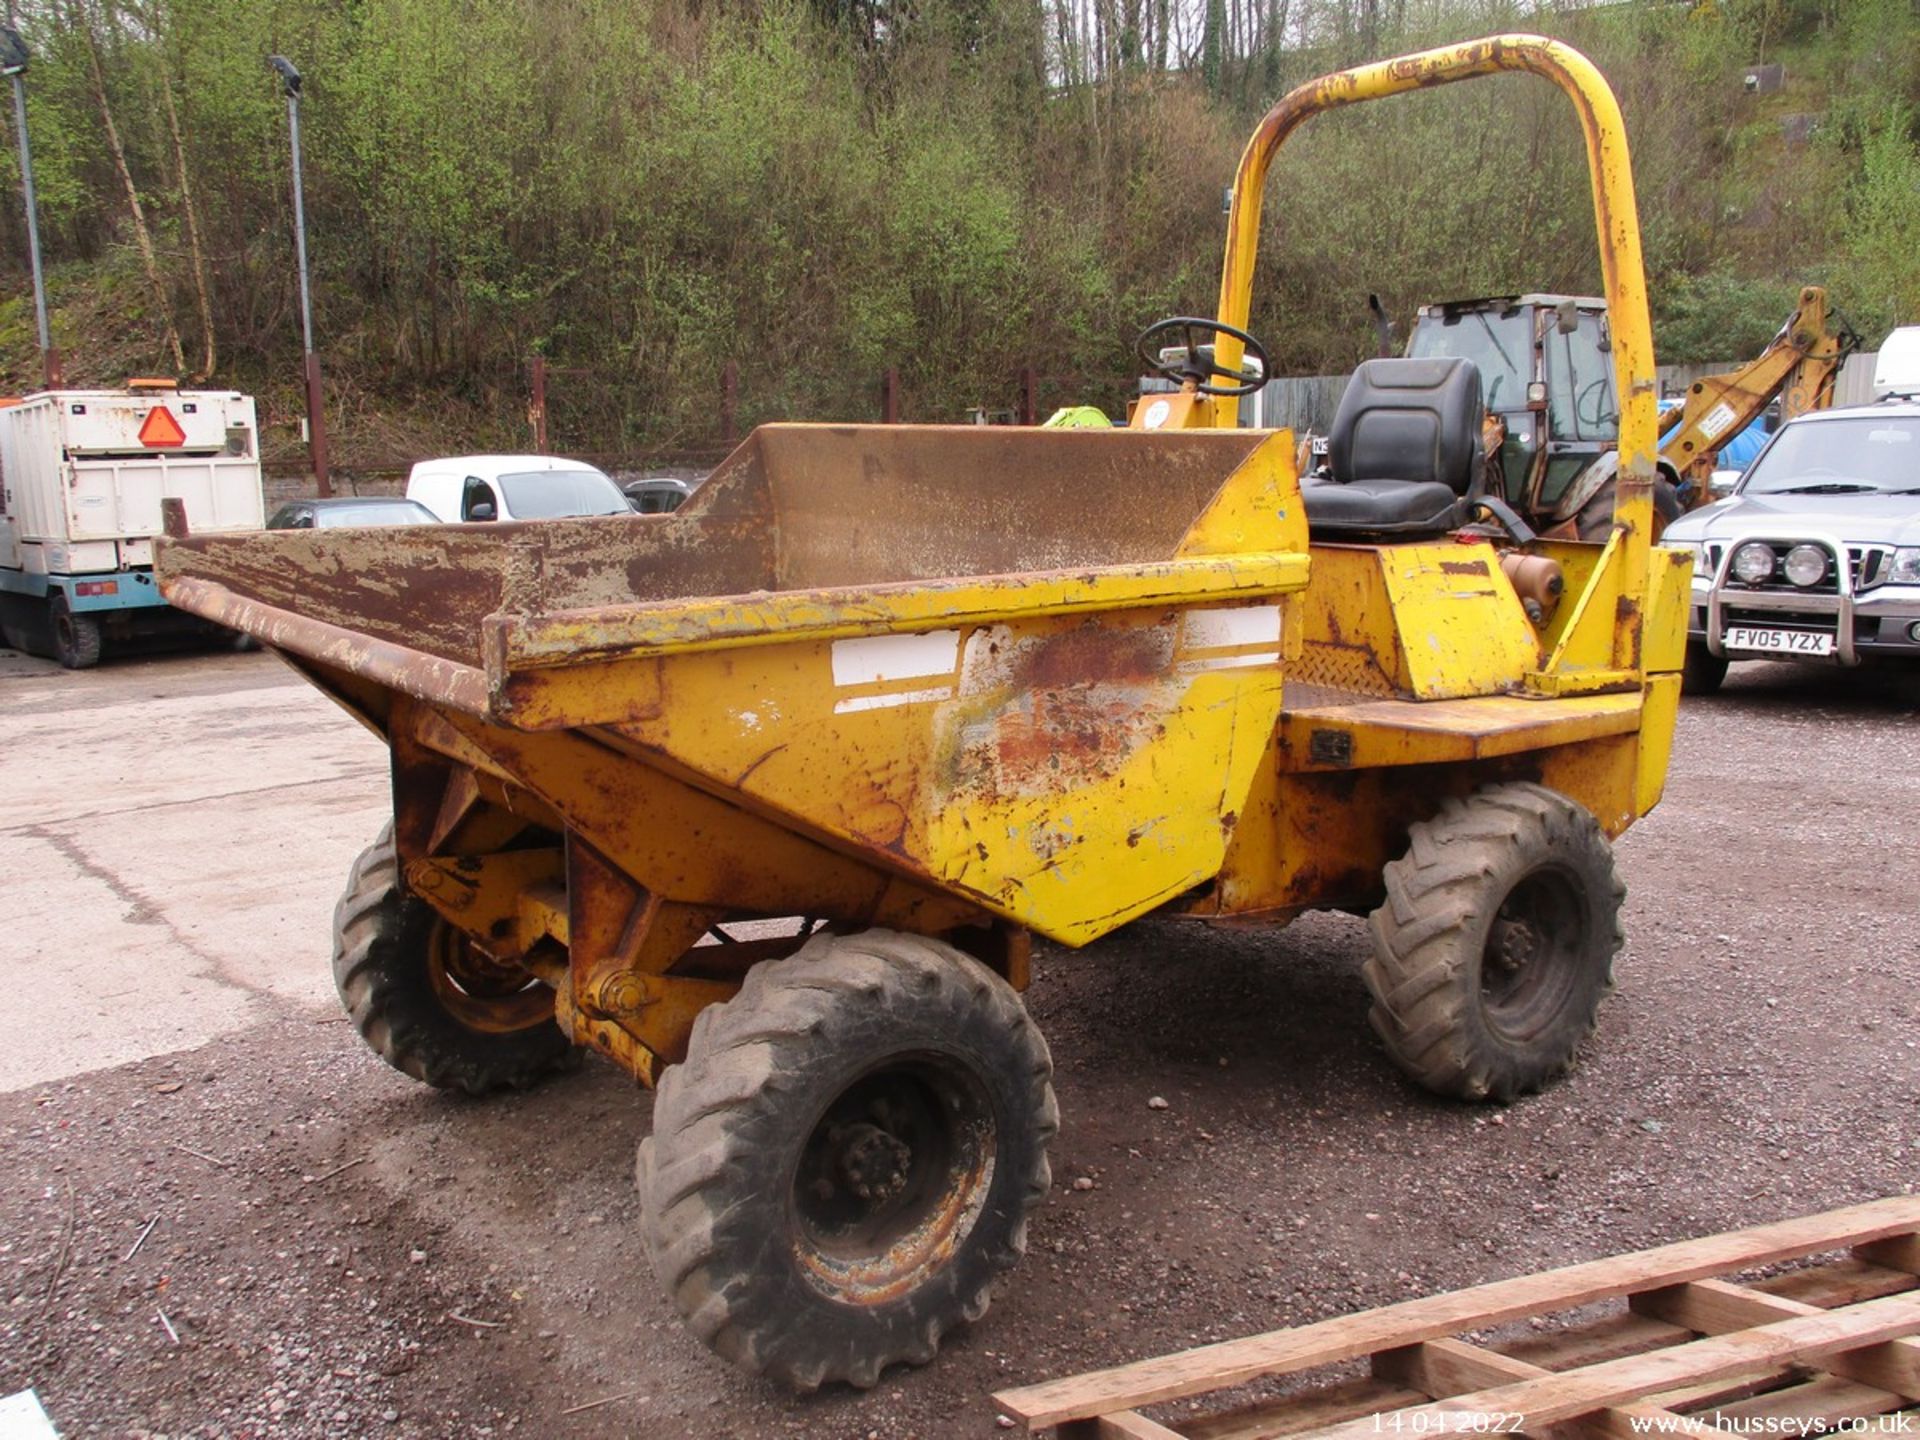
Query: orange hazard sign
<point x="160" y="429"/>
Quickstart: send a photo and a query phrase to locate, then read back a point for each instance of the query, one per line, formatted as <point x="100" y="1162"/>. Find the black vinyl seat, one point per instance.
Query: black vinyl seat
<point x="1404" y="452"/>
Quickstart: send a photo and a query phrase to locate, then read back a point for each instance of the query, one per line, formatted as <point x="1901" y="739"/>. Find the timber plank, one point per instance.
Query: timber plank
<point x="1713" y="1307"/>
<point x="1840" y="1282"/>
<point x="1824" y="1399"/>
<point x="1349" y="1337"/>
<point x="1607" y="1338"/>
<point x="1294" y="1414"/>
<point x="1568" y="1396"/>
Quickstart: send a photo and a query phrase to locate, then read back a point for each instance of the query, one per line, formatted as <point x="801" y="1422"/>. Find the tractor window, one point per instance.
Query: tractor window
<point x="1501" y="345"/>
<point x="1580" y="394"/>
<point x="1562" y="471"/>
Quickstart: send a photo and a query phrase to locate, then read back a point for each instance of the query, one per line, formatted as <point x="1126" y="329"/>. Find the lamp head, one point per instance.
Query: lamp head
<point x="13" y="52"/>
<point x="289" y="75"/>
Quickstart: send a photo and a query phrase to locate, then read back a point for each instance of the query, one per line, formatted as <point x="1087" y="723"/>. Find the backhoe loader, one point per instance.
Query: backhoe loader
<point x="1554" y="414"/>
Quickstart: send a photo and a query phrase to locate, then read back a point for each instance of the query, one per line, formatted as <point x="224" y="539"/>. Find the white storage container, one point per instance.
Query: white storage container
<point x="82" y="477"/>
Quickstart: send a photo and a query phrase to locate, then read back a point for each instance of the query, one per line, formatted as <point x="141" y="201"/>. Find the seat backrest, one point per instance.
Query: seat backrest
<point x="1409" y="420"/>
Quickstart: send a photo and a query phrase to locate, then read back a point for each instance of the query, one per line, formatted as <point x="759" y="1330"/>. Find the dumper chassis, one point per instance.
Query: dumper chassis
<point x="764" y="799"/>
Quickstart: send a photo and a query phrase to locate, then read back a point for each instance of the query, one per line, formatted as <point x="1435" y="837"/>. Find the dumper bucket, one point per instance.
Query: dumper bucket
<point x="1033" y="667"/>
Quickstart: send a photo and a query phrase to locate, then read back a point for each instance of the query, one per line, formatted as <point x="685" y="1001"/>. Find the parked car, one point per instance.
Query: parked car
<point x="347" y="510"/>
<point x="1816" y="554"/>
<point x="657" y="494"/>
<point x="513" y="487"/>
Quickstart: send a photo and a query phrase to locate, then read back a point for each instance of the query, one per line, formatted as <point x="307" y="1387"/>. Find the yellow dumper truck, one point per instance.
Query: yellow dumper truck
<point x="909" y="696"/>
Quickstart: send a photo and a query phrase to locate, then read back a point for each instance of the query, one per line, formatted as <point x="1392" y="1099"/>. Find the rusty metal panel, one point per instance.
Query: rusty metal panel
<point x="866" y="504"/>
<point x="797" y="508"/>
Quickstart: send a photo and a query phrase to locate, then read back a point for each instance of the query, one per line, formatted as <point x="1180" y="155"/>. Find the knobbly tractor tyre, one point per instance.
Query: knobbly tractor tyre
<point x="1595" y="520"/>
<point x="1704" y="671"/>
<point x="76" y="638"/>
<point x="426" y="1000"/>
<point x="846" y="1160"/>
<point x="1495" y="945"/>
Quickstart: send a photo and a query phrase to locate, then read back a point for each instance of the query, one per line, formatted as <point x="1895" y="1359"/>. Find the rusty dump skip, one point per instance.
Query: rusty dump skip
<point x="850" y="519"/>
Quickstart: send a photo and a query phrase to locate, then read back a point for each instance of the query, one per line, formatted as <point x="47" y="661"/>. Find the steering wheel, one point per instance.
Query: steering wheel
<point x="1598" y="390"/>
<point x="1193" y="332"/>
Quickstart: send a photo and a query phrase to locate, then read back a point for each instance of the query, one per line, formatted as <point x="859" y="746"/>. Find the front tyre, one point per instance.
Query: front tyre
<point x="845" y="1161"/>
<point x="1704" y="670"/>
<point x="1495" y="945"/>
<point x="426" y="1000"/>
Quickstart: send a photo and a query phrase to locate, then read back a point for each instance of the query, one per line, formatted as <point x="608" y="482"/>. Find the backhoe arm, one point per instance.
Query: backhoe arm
<point x="1800" y="366"/>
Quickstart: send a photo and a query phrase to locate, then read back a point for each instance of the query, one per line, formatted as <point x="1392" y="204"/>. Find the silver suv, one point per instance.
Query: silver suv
<point x="1816" y="554"/>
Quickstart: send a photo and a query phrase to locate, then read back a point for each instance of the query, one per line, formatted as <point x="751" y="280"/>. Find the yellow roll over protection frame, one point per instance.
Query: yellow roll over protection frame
<point x="1599" y="650"/>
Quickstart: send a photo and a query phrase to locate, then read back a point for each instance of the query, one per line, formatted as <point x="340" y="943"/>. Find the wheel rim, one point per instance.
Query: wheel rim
<point x="492" y="996"/>
<point x="1531" y="962"/>
<point x="891" y="1179"/>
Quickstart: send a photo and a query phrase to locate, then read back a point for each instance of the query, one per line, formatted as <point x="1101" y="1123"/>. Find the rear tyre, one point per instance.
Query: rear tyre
<point x="1495" y="945"/>
<point x="1703" y="672"/>
<point x="76" y="638"/>
<point x="845" y="1161"/>
<point x="426" y="1000"/>
<point x="1595" y="520"/>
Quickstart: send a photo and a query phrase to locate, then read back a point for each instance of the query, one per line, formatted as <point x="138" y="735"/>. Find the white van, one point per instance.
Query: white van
<point x="1896" y="371"/>
<point x="513" y="487"/>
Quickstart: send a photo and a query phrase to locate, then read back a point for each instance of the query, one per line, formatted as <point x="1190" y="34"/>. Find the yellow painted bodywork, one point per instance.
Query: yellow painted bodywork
<point x="1067" y="753"/>
<point x="555" y="671"/>
<point x="1429" y="621"/>
<point x="1800" y="366"/>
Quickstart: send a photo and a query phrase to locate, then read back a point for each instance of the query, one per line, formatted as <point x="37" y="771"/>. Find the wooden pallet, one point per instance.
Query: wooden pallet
<point x="1668" y="1342"/>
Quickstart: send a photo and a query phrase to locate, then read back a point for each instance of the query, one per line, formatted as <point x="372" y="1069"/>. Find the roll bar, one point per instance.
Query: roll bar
<point x="1616" y="218"/>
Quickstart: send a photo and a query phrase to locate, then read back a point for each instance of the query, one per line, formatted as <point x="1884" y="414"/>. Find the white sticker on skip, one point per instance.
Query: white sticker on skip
<point x="1243" y="625"/>
<point x="874" y="662"/>
<point x="873" y="659"/>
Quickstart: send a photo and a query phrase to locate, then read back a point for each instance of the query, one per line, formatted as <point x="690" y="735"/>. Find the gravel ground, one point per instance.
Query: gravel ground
<point x="274" y="1235"/>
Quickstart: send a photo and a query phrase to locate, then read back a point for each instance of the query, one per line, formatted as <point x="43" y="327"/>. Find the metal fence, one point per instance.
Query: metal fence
<point x="1297" y="403"/>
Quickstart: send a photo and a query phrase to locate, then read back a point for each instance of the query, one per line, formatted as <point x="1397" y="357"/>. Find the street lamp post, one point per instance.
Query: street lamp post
<point x="13" y="64"/>
<point x="316" y="419"/>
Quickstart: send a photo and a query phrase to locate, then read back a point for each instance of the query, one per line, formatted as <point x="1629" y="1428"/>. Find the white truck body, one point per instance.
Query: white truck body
<point x="82" y="477"/>
<point x="1896" y="369"/>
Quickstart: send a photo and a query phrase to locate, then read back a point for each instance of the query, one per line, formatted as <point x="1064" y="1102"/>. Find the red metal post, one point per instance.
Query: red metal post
<point x="890" y="396"/>
<point x="317" y="428"/>
<point x="1029" y="404"/>
<point x="50" y="364"/>
<point x="537" y="411"/>
<point x="729" y="399"/>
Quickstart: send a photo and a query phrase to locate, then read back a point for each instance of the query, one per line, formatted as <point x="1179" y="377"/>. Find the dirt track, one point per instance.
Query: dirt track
<point x="348" y="1254"/>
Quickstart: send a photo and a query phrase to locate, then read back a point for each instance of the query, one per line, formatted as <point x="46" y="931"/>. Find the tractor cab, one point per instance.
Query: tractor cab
<point x="1546" y="374"/>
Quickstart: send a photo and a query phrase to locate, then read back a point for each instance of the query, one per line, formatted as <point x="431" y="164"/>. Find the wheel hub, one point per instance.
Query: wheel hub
<point x="1527" y="964"/>
<point x="873" y="1163"/>
<point x="481" y="992"/>
<point x="897" y="1168"/>
<point x="1514" y="945"/>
